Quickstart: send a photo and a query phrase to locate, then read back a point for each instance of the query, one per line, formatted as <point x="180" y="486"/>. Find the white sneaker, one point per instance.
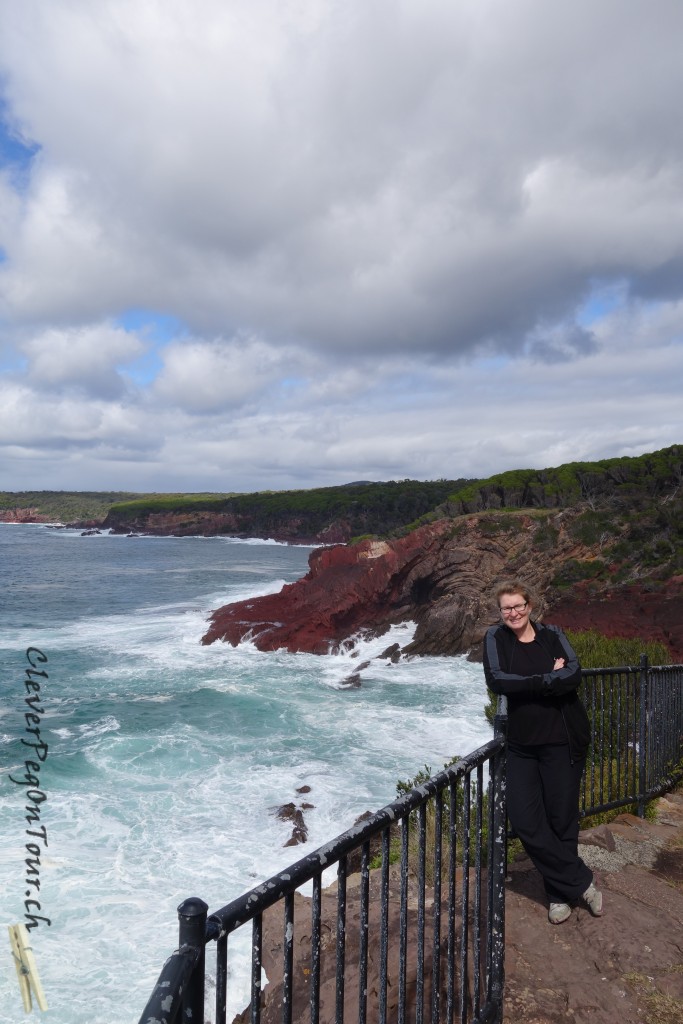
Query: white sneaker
<point x="593" y="898"/>
<point x="559" y="912"/>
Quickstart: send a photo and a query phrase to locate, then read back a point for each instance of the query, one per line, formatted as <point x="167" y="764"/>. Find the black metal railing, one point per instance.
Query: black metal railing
<point x="636" y="715"/>
<point x="423" y="935"/>
<point x="420" y="939"/>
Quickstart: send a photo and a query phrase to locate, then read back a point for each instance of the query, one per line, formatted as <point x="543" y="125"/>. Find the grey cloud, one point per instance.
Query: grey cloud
<point x="405" y="215"/>
<point x="563" y="345"/>
<point x="345" y="181"/>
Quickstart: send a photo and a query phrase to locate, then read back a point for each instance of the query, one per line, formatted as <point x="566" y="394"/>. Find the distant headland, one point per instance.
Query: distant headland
<point x="602" y="542"/>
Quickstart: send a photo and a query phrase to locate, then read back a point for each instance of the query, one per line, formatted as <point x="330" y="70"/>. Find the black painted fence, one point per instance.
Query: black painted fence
<point x="637" y="735"/>
<point x="422" y="936"/>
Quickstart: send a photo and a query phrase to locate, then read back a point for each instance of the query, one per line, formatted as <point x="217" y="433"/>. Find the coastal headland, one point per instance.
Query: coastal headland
<point x="440" y="576"/>
<point x="601" y="543"/>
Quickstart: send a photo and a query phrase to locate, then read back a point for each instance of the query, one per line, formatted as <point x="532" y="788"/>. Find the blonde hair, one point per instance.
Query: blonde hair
<point x="515" y="587"/>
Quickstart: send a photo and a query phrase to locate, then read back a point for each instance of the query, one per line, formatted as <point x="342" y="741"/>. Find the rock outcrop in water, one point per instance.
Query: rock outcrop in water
<point x="365" y="586"/>
<point x="441" y="576"/>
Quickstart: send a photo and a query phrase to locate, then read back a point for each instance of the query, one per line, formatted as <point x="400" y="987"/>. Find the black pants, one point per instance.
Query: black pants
<point x="543" y="808"/>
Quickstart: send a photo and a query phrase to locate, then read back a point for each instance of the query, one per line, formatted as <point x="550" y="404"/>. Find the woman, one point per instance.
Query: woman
<point x="548" y="736"/>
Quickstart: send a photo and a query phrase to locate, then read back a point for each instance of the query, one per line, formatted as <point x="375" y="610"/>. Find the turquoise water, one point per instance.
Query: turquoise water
<point x="166" y="759"/>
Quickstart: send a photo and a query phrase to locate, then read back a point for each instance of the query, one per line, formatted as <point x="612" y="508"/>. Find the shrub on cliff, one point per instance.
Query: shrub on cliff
<point x="597" y="651"/>
<point x="629" y="480"/>
<point x="364" y="507"/>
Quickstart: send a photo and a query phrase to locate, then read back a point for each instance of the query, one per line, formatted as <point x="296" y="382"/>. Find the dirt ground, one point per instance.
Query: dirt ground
<point x="625" y="967"/>
<point x="622" y="968"/>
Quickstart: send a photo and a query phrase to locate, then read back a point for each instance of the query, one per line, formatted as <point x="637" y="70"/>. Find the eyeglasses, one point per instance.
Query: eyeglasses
<point x="518" y="608"/>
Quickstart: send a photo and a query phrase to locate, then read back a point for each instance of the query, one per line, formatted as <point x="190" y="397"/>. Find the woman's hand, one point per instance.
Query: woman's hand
<point x="559" y="663"/>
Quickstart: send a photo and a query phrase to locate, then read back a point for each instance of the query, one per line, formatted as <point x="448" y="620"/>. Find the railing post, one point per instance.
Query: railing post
<point x="498" y="854"/>
<point x="643" y="735"/>
<point x="500" y="728"/>
<point x="192" y="933"/>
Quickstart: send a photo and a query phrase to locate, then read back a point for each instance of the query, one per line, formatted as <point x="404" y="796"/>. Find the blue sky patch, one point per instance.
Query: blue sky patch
<point x="157" y="329"/>
<point x="14" y="152"/>
<point x="603" y="300"/>
<point x="162" y="327"/>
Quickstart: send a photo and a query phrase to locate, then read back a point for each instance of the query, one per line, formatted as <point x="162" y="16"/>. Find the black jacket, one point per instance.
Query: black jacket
<point x="559" y="686"/>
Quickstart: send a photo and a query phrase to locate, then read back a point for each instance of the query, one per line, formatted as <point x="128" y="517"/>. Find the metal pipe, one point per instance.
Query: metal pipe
<point x="192" y="933"/>
<point x="642" y="760"/>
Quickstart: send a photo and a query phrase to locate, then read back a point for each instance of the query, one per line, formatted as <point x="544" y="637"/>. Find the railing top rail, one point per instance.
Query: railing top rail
<point x="258" y="899"/>
<point x="614" y="670"/>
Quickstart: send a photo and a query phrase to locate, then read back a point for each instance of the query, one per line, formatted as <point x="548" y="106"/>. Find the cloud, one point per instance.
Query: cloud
<point x="562" y="343"/>
<point x="352" y="179"/>
<point x="206" y="377"/>
<point x="378" y="225"/>
<point x="87" y="357"/>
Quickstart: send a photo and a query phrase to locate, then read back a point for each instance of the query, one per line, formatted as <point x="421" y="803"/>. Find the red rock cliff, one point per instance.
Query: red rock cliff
<point x="441" y="576"/>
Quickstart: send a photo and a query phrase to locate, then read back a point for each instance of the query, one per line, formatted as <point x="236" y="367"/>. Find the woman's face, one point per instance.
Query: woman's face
<point x="515" y="611"/>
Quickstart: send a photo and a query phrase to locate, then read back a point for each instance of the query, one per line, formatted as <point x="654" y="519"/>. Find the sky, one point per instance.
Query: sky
<point x="269" y="244"/>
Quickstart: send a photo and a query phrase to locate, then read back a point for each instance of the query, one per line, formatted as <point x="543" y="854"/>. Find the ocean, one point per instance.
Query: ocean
<point x="165" y="759"/>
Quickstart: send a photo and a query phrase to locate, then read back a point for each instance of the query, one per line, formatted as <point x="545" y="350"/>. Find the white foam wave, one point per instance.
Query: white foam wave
<point x="71" y="531"/>
<point x="99" y="728"/>
<point x="167" y="757"/>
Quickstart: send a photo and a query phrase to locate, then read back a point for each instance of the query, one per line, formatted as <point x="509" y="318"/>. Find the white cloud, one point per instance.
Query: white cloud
<point x="381" y="227"/>
<point x="206" y="377"/>
<point x="87" y="357"/>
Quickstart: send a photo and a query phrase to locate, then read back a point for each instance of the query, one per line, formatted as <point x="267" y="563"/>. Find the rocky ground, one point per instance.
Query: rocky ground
<point x="625" y="966"/>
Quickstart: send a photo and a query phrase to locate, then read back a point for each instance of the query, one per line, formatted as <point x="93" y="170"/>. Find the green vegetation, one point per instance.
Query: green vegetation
<point x="631" y="511"/>
<point x="494" y="525"/>
<point x="593" y="527"/>
<point x="368" y="508"/>
<point x="626" y="519"/>
<point x="146" y="504"/>
<point x="64" y="506"/>
<point x="630" y="515"/>
<point x="574" y="571"/>
<point x="659" y="1005"/>
<point x="403" y="787"/>
<point x="545" y="536"/>
<point x="597" y="651"/>
<point x="606" y="787"/>
<point x="656" y="475"/>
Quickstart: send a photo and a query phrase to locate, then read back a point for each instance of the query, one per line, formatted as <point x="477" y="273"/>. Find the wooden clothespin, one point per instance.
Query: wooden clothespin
<point x="25" y="963"/>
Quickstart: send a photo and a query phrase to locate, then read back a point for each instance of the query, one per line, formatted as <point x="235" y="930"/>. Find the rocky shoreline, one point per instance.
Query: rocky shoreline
<point x="441" y="576"/>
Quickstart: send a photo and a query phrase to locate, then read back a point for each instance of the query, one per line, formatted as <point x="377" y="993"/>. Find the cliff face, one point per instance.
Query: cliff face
<point x="22" y="515"/>
<point x="175" y="524"/>
<point x="347" y="589"/>
<point x="294" y="529"/>
<point x="227" y="524"/>
<point x="441" y="576"/>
